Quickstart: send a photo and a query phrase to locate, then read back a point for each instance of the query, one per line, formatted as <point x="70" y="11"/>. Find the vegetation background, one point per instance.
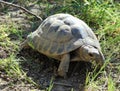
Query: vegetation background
<point x="28" y="70"/>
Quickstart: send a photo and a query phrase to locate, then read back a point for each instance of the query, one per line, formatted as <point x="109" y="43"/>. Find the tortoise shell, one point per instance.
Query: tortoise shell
<point x="61" y="33"/>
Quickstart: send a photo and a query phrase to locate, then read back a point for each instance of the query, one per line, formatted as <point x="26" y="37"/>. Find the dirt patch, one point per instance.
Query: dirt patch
<point x="3" y="53"/>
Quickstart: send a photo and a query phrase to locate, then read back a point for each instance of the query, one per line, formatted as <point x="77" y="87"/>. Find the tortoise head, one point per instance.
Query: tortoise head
<point x="88" y="53"/>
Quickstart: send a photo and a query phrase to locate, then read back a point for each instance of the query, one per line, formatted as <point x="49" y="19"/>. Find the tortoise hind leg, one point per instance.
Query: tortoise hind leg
<point x="24" y="45"/>
<point x="64" y="65"/>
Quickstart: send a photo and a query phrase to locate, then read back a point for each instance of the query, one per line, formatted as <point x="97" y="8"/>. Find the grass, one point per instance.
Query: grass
<point x="5" y="41"/>
<point x="111" y="84"/>
<point x="102" y="16"/>
<point x="11" y="65"/>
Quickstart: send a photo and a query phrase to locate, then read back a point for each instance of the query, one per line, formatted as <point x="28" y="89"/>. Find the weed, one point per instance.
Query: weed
<point x="51" y="85"/>
<point x="11" y="67"/>
<point x="111" y="84"/>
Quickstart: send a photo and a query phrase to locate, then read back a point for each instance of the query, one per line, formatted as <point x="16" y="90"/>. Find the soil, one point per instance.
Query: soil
<point x="3" y="53"/>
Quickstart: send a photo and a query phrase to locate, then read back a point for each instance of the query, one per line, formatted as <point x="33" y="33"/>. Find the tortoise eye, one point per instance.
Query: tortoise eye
<point x="91" y="55"/>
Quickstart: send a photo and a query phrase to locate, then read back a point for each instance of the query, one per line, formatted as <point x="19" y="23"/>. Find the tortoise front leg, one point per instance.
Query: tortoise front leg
<point x="64" y="65"/>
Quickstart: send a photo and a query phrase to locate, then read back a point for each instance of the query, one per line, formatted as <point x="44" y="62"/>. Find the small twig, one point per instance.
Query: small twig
<point x="20" y="7"/>
<point x="63" y="84"/>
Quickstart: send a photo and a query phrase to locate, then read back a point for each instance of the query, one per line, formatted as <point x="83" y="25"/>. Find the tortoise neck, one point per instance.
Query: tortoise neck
<point x="80" y="53"/>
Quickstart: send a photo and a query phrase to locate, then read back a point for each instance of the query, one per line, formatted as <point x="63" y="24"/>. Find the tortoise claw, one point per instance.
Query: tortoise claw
<point x="62" y="73"/>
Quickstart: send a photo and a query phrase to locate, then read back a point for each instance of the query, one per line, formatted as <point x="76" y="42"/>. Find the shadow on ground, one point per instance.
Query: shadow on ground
<point x="42" y="70"/>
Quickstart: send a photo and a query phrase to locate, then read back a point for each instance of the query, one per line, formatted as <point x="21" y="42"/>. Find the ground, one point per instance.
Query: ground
<point x="28" y="70"/>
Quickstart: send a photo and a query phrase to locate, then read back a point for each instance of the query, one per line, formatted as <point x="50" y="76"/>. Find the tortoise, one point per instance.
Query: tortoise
<point x="65" y="38"/>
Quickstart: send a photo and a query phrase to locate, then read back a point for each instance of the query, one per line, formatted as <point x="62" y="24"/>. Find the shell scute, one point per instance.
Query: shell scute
<point x="64" y="34"/>
<point x="54" y="48"/>
<point x="60" y="48"/>
<point x="77" y="32"/>
<point x="69" y="21"/>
